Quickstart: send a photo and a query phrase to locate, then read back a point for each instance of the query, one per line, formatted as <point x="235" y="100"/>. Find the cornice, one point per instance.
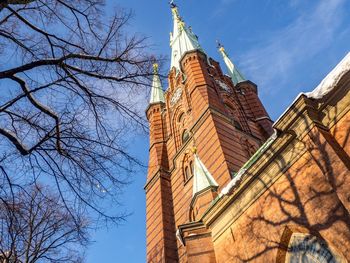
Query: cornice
<point x="161" y="104"/>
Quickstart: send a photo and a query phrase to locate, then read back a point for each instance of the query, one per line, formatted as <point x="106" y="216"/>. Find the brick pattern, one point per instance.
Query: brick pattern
<point x="161" y="242"/>
<point x="303" y="200"/>
<point x="210" y="114"/>
<point x="160" y="226"/>
<point x="201" y="202"/>
<point x="200" y="249"/>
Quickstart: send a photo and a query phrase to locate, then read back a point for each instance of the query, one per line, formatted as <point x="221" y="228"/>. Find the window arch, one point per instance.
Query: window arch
<point x="231" y="110"/>
<point x="309" y="249"/>
<point x="235" y="115"/>
<point x="178" y="126"/>
<point x="181" y="116"/>
<point x="239" y="118"/>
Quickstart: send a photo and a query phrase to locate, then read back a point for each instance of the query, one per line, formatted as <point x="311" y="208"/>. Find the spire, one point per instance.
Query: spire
<point x="202" y="178"/>
<point x="236" y="76"/>
<point x="182" y="39"/>
<point x="157" y="94"/>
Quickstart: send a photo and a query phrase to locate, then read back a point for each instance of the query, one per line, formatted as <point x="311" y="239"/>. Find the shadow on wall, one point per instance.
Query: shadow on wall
<point x="303" y="215"/>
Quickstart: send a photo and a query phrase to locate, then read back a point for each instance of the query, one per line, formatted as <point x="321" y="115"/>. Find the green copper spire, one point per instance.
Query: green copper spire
<point x="236" y="76"/>
<point x="182" y="39"/>
<point x="202" y="178"/>
<point x="157" y="94"/>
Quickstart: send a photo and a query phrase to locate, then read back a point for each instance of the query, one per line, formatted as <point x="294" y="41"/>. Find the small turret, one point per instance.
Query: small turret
<point x="156" y="125"/>
<point x="202" y="179"/>
<point x="157" y="94"/>
<point x="250" y="95"/>
<point x="204" y="188"/>
<point x="158" y="187"/>
<point x="234" y="73"/>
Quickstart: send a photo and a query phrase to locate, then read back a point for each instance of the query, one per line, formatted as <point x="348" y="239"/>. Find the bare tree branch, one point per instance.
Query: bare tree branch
<point x="36" y="228"/>
<point x="70" y="92"/>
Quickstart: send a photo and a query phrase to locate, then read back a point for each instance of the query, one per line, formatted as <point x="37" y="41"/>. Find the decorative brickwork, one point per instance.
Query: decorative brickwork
<point x="197" y="111"/>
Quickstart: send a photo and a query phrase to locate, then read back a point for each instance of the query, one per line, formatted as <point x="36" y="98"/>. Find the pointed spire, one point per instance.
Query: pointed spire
<point x="157" y="94"/>
<point x="236" y="76"/>
<point x="182" y="39"/>
<point x="202" y="178"/>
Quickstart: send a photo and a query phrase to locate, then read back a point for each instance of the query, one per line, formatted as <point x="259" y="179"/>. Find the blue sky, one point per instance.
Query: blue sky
<point x="284" y="46"/>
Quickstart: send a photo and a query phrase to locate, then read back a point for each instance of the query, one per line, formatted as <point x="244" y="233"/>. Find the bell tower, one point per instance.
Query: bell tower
<point x="203" y="129"/>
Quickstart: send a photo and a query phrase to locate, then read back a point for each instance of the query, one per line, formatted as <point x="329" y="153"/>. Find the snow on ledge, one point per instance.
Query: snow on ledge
<point x="331" y="80"/>
<point x="239" y="176"/>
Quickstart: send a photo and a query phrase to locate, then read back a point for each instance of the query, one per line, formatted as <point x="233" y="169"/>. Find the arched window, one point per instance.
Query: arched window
<point x="309" y="249"/>
<point x="181" y="116"/>
<point x="237" y="125"/>
<point x="235" y="115"/>
<point x="232" y="110"/>
<point x="185" y="136"/>
<point x="187" y="167"/>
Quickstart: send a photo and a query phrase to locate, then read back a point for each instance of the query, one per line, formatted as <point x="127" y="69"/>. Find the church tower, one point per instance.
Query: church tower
<point x="203" y="129"/>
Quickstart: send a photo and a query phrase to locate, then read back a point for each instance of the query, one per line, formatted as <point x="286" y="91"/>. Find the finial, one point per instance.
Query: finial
<point x="220" y="46"/>
<point x="172" y="4"/>
<point x="174" y="10"/>
<point x="194" y="149"/>
<point x="155" y="68"/>
<point x="182" y="39"/>
<point x="180" y="23"/>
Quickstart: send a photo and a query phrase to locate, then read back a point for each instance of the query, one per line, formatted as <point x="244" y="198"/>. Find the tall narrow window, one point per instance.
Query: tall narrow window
<point x="191" y="167"/>
<point x="185" y="136"/>
<point x="187" y="167"/>
<point x="187" y="173"/>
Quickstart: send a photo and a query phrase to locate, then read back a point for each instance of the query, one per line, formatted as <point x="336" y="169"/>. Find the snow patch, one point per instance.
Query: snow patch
<point x="233" y="182"/>
<point x="331" y="80"/>
<point x="239" y="176"/>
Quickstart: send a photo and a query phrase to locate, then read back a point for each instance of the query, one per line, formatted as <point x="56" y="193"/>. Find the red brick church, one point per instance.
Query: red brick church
<point x="227" y="184"/>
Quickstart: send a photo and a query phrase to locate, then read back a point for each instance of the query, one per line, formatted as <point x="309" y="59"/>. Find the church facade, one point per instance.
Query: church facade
<point x="226" y="184"/>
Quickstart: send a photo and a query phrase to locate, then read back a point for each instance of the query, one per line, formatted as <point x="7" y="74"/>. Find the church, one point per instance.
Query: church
<point x="227" y="184"/>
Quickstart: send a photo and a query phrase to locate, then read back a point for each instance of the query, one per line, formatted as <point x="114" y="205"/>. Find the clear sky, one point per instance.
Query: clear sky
<point x="284" y="46"/>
